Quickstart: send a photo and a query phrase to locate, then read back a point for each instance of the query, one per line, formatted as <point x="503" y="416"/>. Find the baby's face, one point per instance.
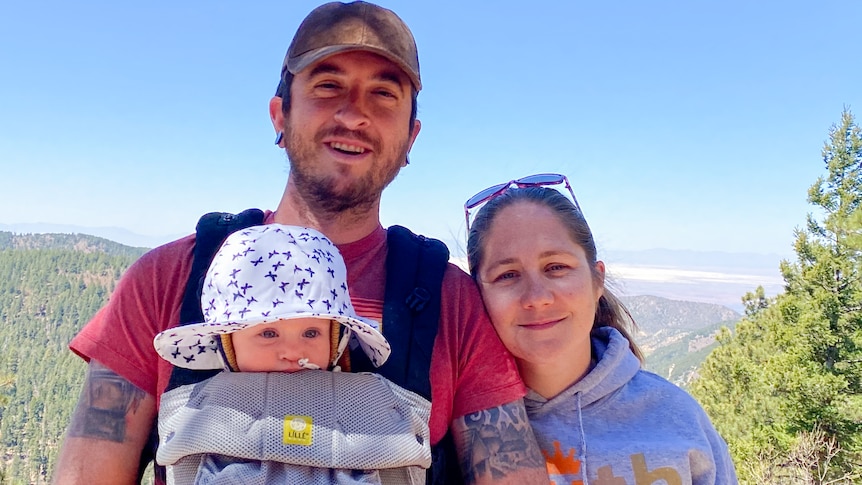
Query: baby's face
<point x="278" y="346"/>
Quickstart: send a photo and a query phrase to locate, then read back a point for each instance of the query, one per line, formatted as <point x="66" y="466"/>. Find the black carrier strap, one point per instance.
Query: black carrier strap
<point x="210" y="233"/>
<point x="411" y="314"/>
<point x="411" y="309"/>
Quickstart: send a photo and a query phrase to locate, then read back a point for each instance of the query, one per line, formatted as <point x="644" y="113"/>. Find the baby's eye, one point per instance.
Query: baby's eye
<point x="311" y="333"/>
<point x="269" y="333"/>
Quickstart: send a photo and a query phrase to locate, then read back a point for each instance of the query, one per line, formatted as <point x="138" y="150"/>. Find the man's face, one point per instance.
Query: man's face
<point x="348" y="130"/>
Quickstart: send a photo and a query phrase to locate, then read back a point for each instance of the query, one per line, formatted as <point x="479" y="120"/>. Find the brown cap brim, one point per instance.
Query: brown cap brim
<point x="296" y="64"/>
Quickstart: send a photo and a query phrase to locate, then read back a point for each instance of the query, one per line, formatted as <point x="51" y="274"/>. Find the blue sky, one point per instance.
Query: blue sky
<point x="681" y="125"/>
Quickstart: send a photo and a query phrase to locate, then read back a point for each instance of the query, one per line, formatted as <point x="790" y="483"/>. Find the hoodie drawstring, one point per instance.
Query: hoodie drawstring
<point x="583" y="447"/>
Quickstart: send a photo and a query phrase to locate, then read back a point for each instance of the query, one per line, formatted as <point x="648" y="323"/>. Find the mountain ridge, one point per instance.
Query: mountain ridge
<point x="116" y="234"/>
<point x="77" y="242"/>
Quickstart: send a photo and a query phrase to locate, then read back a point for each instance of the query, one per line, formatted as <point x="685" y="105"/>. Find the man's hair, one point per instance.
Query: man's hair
<point x="610" y="311"/>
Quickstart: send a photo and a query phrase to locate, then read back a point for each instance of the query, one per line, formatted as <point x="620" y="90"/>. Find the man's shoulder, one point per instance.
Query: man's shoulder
<point x="456" y="279"/>
<point x="181" y="251"/>
<point x="175" y="251"/>
<point x="168" y="261"/>
<point x="405" y="233"/>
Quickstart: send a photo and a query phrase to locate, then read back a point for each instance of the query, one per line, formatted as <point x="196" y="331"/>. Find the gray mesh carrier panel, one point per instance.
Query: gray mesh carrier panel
<point x="308" y="427"/>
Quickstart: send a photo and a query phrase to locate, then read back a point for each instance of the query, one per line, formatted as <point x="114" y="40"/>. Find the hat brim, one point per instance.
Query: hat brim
<point x="196" y="346"/>
<point x="296" y="64"/>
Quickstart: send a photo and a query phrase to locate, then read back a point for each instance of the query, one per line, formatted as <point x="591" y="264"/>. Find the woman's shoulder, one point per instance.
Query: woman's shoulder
<point x="653" y="383"/>
<point x="662" y="393"/>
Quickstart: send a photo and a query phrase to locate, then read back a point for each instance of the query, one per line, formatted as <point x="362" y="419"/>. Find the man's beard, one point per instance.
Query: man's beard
<point x="320" y="191"/>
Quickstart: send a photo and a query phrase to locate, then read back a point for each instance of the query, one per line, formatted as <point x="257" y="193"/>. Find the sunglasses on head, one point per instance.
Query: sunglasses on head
<point x="537" y="180"/>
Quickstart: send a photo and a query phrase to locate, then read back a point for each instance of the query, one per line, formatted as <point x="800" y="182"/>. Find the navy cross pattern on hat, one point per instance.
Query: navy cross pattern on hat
<point x="263" y="274"/>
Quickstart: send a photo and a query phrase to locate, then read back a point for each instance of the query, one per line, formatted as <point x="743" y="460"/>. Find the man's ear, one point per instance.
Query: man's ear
<point x="417" y="125"/>
<point x="276" y="115"/>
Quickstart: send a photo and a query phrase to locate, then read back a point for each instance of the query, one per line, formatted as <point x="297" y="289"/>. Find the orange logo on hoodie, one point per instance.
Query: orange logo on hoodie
<point x="562" y="465"/>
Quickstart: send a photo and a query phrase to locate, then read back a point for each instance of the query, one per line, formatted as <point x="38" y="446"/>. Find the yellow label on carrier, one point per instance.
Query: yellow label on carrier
<point x="297" y="430"/>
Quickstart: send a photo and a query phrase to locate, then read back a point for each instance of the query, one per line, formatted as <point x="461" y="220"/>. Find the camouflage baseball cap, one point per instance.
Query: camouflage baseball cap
<point x="341" y="27"/>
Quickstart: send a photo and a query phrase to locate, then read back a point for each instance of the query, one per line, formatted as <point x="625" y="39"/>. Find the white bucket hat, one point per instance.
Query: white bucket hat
<point x="263" y="274"/>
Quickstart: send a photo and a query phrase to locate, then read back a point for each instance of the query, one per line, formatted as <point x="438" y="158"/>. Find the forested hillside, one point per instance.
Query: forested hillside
<point x="50" y="285"/>
<point x="785" y="390"/>
<point x="655" y="315"/>
<point x="676" y="336"/>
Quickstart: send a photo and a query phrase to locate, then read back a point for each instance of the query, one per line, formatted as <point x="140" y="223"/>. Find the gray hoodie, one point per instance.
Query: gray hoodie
<point x="621" y="425"/>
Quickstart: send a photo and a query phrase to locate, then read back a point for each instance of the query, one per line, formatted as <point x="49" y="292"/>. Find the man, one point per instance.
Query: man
<point x="345" y="112"/>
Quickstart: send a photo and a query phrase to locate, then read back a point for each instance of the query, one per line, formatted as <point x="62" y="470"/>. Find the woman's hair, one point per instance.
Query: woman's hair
<point x="610" y="311"/>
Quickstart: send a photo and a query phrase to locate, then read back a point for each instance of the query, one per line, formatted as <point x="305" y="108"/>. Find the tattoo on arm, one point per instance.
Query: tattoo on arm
<point x="498" y="441"/>
<point x="104" y="403"/>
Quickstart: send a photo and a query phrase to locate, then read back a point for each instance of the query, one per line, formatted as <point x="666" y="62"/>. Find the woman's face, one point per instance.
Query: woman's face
<point x="538" y="287"/>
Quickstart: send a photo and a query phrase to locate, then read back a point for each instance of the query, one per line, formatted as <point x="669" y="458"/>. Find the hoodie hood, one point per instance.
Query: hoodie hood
<point x="616" y="365"/>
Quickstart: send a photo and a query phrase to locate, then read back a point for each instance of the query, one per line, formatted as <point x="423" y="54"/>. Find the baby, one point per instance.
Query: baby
<point x="275" y="302"/>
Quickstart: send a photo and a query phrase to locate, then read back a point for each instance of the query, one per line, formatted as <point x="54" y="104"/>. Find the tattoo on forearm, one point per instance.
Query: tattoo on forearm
<point x="499" y="441"/>
<point x="105" y="401"/>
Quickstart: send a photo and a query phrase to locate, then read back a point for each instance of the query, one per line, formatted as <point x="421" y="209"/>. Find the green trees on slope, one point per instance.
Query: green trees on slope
<point x="786" y="390"/>
<point x="46" y="296"/>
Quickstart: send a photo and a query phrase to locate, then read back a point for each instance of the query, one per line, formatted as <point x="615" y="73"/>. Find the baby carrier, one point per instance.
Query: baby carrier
<point x="414" y="274"/>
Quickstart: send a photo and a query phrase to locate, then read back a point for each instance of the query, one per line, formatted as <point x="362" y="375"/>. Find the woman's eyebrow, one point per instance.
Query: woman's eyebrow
<point x="499" y="262"/>
<point x="554" y="252"/>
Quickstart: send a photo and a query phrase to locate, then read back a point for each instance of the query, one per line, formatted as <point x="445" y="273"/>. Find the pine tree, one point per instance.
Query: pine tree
<point x="793" y="371"/>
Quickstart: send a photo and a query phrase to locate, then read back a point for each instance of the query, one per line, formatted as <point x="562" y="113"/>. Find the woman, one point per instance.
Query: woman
<point x="598" y="417"/>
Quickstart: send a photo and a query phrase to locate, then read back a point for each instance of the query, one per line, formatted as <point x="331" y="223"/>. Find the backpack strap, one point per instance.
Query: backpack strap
<point x="210" y="233"/>
<point x="411" y="309"/>
<point x="411" y="315"/>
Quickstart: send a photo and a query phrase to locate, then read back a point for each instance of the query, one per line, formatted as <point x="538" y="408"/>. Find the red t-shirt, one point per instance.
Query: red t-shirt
<point x="470" y="368"/>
